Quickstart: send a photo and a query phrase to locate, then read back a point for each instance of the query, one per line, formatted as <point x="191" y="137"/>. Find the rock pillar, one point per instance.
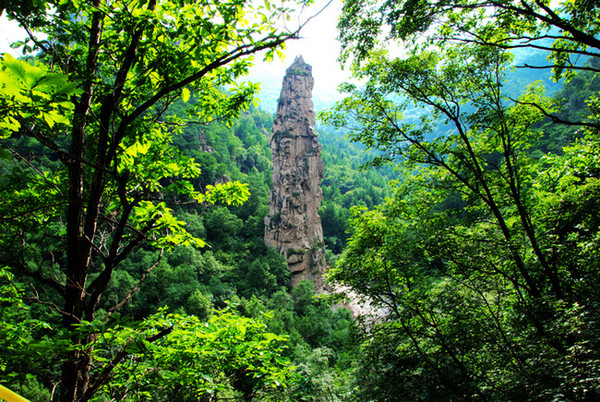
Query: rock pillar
<point x="293" y="225"/>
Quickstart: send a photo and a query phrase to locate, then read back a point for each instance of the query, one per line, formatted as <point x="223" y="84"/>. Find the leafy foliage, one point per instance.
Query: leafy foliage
<point x="95" y="105"/>
<point x="191" y="281"/>
<point x="485" y="289"/>
<point x="227" y="356"/>
<point x="33" y="92"/>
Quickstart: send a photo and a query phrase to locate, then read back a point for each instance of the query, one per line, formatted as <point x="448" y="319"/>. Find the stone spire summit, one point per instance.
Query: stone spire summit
<point x="300" y="64"/>
<point x="293" y="225"/>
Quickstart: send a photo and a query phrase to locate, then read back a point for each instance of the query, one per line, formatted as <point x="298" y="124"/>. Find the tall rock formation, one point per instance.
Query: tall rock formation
<point x="293" y="225"/>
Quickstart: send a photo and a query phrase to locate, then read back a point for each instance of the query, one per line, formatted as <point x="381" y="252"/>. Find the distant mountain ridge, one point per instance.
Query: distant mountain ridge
<point x="516" y="82"/>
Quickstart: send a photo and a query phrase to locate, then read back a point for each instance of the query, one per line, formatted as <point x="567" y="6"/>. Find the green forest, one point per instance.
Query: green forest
<point x="461" y="205"/>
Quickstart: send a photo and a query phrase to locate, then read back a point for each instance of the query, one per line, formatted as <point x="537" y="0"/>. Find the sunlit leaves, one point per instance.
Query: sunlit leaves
<point x="30" y="91"/>
<point x="157" y="222"/>
<point x="185" y="95"/>
<point x="196" y="358"/>
<point x="152" y="158"/>
<point x="230" y="193"/>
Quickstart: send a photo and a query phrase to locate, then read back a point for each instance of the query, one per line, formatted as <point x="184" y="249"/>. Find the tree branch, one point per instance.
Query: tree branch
<point x="135" y="288"/>
<point x="105" y="374"/>
<point x="571" y="67"/>
<point x="38" y="300"/>
<point x="555" y="118"/>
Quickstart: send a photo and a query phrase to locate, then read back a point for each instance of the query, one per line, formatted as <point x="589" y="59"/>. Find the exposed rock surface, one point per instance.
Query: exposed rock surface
<point x="293" y="225"/>
<point x="203" y="144"/>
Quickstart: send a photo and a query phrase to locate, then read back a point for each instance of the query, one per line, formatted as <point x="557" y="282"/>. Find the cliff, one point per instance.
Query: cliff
<point x="293" y="225"/>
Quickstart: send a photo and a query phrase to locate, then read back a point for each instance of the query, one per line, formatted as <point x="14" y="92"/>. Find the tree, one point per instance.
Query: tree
<point x="463" y="258"/>
<point x="225" y="357"/>
<point x="565" y="31"/>
<point x="95" y="100"/>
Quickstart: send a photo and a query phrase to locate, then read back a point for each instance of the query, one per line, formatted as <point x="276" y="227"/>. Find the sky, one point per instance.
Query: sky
<point x="9" y="32"/>
<point x="317" y="45"/>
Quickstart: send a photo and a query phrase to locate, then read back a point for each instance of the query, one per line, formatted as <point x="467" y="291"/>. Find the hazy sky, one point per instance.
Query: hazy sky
<point x="318" y="47"/>
<point x="9" y="32"/>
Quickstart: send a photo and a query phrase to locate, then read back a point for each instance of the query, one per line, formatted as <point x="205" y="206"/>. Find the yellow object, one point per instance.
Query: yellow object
<point x="9" y="396"/>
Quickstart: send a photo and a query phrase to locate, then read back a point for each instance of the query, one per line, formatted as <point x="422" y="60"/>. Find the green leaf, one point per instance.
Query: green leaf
<point x="185" y="94"/>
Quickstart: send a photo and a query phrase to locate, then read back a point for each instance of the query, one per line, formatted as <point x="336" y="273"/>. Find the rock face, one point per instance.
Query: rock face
<point x="203" y="144"/>
<point x="293" y="225"/>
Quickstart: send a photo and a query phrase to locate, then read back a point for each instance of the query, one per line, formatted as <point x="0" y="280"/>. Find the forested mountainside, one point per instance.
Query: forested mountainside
<point x="134" y="188"/>
<point x="234" y="273"/>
